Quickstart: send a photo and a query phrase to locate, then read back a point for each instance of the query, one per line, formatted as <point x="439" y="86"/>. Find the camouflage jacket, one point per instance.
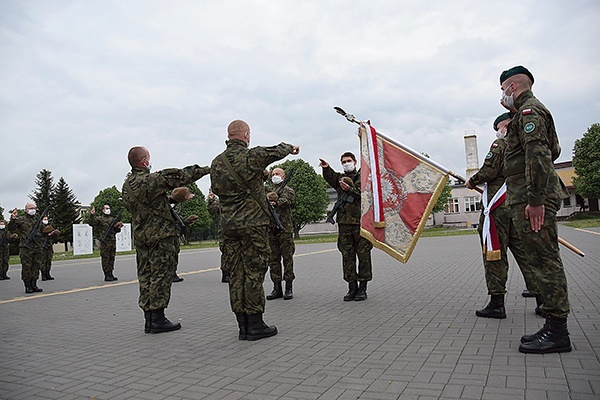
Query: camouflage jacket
<point x="284" y="205"/>
<point x="532" y="147"/>
<point x="352" y="213"/>
<point x="145" y="197"/>
<point x="22" y="226"/>
<point x="239" y="209"/>
<point x="8" y="237"/>
<point x="101" y="224"/>
<point x="492" y="169"/>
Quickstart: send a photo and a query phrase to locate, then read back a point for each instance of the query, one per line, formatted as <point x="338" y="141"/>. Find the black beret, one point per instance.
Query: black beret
<point x="519" y="69"/>
<point x="500" y="118"/>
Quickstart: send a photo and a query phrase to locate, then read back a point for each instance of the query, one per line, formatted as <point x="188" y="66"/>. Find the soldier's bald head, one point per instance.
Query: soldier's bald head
<point x="238" y="129"/>
<point x="136" y="156"/>
<point x="278" y="171"/>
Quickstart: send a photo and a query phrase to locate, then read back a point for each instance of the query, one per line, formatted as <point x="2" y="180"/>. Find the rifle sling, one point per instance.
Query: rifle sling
<point x="242" y="183"/>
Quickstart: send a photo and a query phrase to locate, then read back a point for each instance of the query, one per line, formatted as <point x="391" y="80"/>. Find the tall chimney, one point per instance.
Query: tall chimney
<point x="471" y="153"/>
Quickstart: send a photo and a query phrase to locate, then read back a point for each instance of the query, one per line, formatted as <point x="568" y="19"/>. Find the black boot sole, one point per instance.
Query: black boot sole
<point x="495" y="316"/>
<point x="526" y="350"/>
<point x="251" y="338"/>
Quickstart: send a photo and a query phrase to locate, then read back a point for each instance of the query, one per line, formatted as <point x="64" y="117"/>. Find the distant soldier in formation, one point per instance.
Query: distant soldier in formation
<point x="496" y="230"/>
<point x="50" y="236"/>
<point x="534" y="194"/>
<point x="215" y="211"/>
<point x="106" y="229"/>
<point x="179" y="196"/>
<point x="29" y="229"/>
<point x="5" y="237"/>
<point x="155" y="232"/>
<point x="237" y="178"/>
<point x="350" y="243"/>
<point x="281" y="240"/>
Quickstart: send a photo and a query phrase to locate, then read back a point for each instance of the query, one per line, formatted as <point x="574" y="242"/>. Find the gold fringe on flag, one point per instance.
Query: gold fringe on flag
<point x="493" y="255"/>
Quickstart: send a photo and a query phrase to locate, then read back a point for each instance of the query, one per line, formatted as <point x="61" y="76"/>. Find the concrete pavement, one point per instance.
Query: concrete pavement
<point x="416" y="337"/>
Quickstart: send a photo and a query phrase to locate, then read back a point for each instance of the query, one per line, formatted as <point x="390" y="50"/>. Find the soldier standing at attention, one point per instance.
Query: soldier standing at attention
<point x="50" y="235"/>
<point x="155" y="232"/>
<point x="28" y="227"/>
<point x="5" y="237"/>
<point x="108" y="243"/>
<point x="534" y="194"/>
<point x="237" y="178"/>
<point x="281" y="241"/>
<point x="496" y="230"/>
<point x="214" y="209"/>
<point x="350" y="243"/>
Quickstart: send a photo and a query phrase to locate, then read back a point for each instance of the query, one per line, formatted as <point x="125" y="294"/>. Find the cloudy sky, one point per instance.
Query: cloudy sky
<point x="83" y="81"/>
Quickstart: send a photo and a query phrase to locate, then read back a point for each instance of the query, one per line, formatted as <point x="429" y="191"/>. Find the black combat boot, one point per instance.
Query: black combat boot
<point x="224" y="276"/>
<point x="277" y="292"/>
<point x="48" y="276"/>
<point x="527" y="293"/>
<point x="28" y="288"/>
<point x="361" y="294"/>
<point x="148" y="318"/>
<point x="242" y="320"/>
<point x="114" y="278"/>
<point x="176" y="278"/>
<point x="553" y="339"/>
<point x="257" y="329"/>
<point x="494" y="309"/>
<point x="34" y="286"/>
<point x="289" y="294"/>
<point x="531" y="338"/>
<point x="107" y="277"/>
<point x="539" y="303"/>
<point x="352" y="289"/>
<point x="159" y="323"/>
<point x="4" y="276"/>
<point x="44" y="278"/>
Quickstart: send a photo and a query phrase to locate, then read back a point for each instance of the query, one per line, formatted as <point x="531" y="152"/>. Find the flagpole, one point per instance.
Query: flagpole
<point x="420" y="156"/>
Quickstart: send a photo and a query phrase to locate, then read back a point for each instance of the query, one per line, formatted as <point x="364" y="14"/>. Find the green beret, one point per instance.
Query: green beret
<point x="519" y="69"/>
<point x="500" y="118"/>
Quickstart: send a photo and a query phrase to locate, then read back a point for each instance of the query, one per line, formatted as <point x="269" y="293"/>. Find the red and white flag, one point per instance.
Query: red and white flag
<point x="399" y="189"/>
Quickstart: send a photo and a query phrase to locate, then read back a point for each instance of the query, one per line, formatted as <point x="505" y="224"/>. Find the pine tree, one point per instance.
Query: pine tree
<point x="42" y="196"/>
<point x="65" y="211"/>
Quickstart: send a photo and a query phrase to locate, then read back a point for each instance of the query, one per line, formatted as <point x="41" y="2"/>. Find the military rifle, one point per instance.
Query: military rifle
<point x="111" y="226"/>
<point x="179" y="224"/>
<point x="275" y="215"/>
<point x="35" y="229"/>
<point x="340" y="206"/>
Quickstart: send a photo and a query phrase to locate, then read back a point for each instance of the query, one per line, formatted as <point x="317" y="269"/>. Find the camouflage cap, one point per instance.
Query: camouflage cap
<point x="348" y="181"/>
<point x="272" y="196"/>
<point x="47" y="229"/>
<point x="519" y="69"/>
<point x="180" y="194"/>
<point x="501" y="117"/>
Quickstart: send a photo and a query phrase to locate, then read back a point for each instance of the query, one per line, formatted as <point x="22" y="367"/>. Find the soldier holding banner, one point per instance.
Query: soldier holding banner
<point x="350" y="243"/>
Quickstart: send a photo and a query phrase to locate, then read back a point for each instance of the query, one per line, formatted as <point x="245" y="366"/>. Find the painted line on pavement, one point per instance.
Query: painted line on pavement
<point x="586" y="231"/>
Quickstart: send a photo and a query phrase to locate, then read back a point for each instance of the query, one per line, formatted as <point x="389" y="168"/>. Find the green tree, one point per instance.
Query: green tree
<point x="112" y="197"/>
<point x="65" y="211"/>
<point x="1" y="212"/>
<point x="441" y="202"/>
<point x="43" y="195"/>
<point x="311" y="193"/>
<point x="586" y="161"/>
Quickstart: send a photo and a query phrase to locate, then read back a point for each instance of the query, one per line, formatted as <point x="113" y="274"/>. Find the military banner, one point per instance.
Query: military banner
<point x="82" y="239"/>
<point x="399" y="189"/>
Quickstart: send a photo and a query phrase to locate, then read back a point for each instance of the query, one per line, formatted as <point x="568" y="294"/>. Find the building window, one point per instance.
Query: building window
<point x="453" y="206"/>
<point x="472" y="203"/>
<point x="567" y="202"/>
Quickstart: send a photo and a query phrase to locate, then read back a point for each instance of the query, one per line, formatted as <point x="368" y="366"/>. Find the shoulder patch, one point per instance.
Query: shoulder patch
<point x="489" y="155"/>
<point x="529" y="127"/>
<point x="526" y="111"/>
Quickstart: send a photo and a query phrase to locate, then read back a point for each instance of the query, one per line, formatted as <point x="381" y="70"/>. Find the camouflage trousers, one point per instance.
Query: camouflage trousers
<point x="543" y="254"/>
<point x="247" y="252"/>
<point x="496" y="272"/>
<point x="108" y="251"/>
<point x="155" y="268"/>
<point x="282" y="248"/>
<point x="31" y="262"/>
<point x="48" y="253"/>
<point x="353" y="246"/>
<point x="4" y="257"/>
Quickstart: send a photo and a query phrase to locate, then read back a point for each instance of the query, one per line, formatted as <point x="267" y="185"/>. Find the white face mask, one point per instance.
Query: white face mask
<point x="107" y="211"/>
<point x="349" y="166"/>
<point x="2" y="226"/>
<point x="31" y="211"/>
<point x="45" y="221"/>
<point x="509" y="101"/>
<point x="276" y="179"/>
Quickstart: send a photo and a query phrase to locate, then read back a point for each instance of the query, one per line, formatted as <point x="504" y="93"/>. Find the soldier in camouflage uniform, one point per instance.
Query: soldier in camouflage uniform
<point x="155" y="232"/>
<point x="496" y="261"/>
<point x="237" y="178"/>
<point x="30" y="252"/>
<point x="535" y="193"/>
<point x="350" y="243"/>
<point x="215" y="211"/>
<point x="5" y="237"/>
<point x="108" y="246"/>
<point x="48" y="248"/>
<point x="281" y="241"/>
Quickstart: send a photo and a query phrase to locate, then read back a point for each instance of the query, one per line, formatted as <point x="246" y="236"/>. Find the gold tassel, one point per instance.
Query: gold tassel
<point x="493" y="255"/>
